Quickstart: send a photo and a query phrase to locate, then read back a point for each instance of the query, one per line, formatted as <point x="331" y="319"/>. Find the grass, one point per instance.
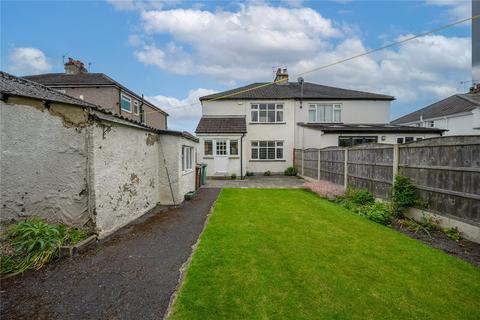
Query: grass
<point x="287" y="254"/>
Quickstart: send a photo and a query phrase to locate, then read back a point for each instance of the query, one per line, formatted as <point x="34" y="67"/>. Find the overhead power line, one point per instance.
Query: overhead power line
<point x="365" y="53"/>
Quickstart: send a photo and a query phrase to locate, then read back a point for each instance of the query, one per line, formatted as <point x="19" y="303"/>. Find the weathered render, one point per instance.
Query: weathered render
<point x="43" y="161"/>
<point x="69" y="161"/>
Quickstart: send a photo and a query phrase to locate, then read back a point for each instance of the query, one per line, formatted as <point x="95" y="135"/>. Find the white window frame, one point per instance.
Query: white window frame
<point x="320" y="108"/>
<point x="187" y="158"/>
<point x="278" y="144"/>
<point x="127" y="98"/>
<point x="227" y="145"/>
<point x="136" y="107"/>
<point x="277" y="109"/>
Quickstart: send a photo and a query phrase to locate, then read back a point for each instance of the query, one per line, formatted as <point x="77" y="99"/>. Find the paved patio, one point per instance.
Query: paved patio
<point x="130" y="275"/>
<point x="257" y="182"/>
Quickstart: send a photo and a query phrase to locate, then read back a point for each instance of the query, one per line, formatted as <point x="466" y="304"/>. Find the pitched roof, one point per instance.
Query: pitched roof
<point x="210" y="124"/>
<point x="367" y="127"/>
<point x="457" y="103"/>
<point x="15" y="86"/>
<point x="11" y="85"/>
<point x="292" y="90"/>
<point x="82" y="79"/>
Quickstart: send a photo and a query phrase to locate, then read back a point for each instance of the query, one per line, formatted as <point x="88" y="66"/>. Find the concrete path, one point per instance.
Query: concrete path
<point x="258" y="182"/>
<point x="130" y="275"/>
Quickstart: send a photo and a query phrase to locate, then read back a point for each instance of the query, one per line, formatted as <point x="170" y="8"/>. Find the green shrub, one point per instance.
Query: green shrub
<point x="453" y="233"/>
<point x="36" y="243"/>
<point x="233" y="176"/>
<point x="403" y="195"/>
<point x="249" y="174"/>
<point x="379" y="212"/>
<point x="267" y="173"/>
<point x="359" y="197"/>
<point x="290" y="171"/>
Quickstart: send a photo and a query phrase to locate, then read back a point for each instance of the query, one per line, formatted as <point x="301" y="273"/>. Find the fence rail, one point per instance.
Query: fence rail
<point x="445" y="170"/>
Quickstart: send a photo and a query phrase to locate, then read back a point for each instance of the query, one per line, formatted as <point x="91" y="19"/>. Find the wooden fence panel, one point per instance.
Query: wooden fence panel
<point x="298" y="154"/>
<point x="370" y="166"/>
<point x="446" y="172"/>
<point x="332" y="164"/>
<point x="310" y="163"/>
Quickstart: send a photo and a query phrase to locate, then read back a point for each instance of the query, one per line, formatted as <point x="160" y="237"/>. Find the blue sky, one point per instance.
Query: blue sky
<point x="175" y="51"/>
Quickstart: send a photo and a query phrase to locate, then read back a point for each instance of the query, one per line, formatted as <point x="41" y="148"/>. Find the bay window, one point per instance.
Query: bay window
<point x="267" y="112"/>
<point x="326" y="113"/>
<point x="267" y="150"/>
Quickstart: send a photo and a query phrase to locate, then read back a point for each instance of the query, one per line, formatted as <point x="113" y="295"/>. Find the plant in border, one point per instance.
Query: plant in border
<point x="290" y="171"/>
<point x="233" y="176"/>
<point x="403" y="195"/>
<point x="267" y="173"/>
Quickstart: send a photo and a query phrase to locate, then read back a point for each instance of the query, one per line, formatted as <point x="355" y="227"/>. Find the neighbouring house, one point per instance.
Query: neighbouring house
<point x="257" y="127"/>
<point x="459" y="114"/>
<point x="100" y="89"/>
<point x="65" y="159"/>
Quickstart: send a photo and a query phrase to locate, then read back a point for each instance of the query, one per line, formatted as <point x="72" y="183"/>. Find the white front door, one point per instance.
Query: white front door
<point x="221" y="156"/>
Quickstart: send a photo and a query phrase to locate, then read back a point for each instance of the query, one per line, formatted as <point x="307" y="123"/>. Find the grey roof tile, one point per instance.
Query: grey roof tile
<point x="457" y="103"/>
<point x="221" y="125"/>
<point x="291" y="90"/>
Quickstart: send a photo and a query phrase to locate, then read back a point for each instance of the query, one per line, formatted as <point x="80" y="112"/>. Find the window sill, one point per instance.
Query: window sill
<point x="267" y="123"/>
<point x="266" y="160"/>
<point x="234" y="157"/>
<point x="123" y="110"/>
<point x="208" y="157"/>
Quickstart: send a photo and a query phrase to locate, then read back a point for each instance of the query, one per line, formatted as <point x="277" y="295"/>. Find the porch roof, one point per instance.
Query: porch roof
<point x="222" y="124"/>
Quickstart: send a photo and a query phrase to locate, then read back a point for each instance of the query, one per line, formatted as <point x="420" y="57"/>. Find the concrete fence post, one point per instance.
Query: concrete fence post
<point x="396" y="157"/>
<point x="345" y="169"/>
<point x="318" y="164"/>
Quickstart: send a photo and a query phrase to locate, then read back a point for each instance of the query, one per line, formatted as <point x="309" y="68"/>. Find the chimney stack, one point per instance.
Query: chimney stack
<point x="281" y="76"/>
<point x="74" y="67"/>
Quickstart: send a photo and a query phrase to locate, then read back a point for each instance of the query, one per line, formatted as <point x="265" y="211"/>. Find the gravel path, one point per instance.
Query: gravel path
<point x="130" y="275"/>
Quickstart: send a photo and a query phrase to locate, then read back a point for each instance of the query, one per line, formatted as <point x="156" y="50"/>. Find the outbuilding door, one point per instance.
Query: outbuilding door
<point x="221" y="156"/>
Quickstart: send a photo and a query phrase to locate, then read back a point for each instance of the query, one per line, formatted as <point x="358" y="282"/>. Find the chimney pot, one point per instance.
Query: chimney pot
<point x="74" y="66"/>
<point x="282" y="76"/>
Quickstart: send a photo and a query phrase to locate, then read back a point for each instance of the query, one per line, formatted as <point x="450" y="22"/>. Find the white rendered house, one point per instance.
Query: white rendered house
<point x="459" y="114"/>
<point x="256" y="129"/>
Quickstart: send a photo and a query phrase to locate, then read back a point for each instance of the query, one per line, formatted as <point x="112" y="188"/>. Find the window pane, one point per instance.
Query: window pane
<point x="254" y="106"/>
<point x="279" y="106"/>
<point x="183" y="159"/>
<point x="263" y="143"/>
<point x="321" y="114"/>
<point x="221" y="147"/>
<point x="125" y="103"/>
<point x="254" y="143"/>
<point x="279" y="153"/>
<point x="263" y="153"/>
<point x="399" y="140"/>
<point x="279" y="116"/>
<point x="279" y="143"/>
<point x="254" y="115"/>
<point x="312" y="115"/>
<point x="271" y="115"/>
<point x="254" y="153"/>
<point x="271" y="143"/>
<point x="208" y="147"/>
<point x="408" y="139"/>
<point x="271" y="153"/>
<point x="263" y="106"/>
<point x="234" y="147"/>
<point x="263" y="115"/>
<point x="337" y="115"/>
<point x="271" y="106"/>
<point x="328" y="114"/>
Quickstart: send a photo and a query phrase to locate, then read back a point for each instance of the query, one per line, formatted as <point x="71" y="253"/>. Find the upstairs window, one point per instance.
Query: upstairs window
<point x="136" y="107"/>
<point x="326" y="113"/>
<point x="267" y="113"/>
<point x="125" y="103"/>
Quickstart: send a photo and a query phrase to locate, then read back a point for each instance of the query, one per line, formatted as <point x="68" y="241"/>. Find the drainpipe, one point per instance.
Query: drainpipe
<point x="241" y="156"/>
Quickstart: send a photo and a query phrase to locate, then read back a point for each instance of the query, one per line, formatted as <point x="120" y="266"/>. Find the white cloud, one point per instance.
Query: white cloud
<point x="456" y="9"/>
<point x="184" y="113"/>
<point x="140" y="5"/>
<point x="28" y="61"/>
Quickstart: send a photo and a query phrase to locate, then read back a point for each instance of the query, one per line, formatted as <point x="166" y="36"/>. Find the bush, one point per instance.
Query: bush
<point x="267" y="173"/>
<point x="379" y="212"/>
<point x="290" y="171"/>
<point x="359" y="197"/>
<point x="35" y="243"/>
<point x="249" y="174"/>
<point x="453" y="233"/>
<point x="403" y="195"/>
<point x="233" y="176"/>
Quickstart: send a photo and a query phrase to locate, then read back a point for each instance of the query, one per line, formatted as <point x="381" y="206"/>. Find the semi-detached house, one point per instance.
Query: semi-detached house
<point x="257" y="127"/>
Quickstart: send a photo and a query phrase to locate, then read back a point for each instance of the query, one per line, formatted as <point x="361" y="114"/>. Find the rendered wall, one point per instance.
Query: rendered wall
<point x="125" y="174"/>
<point x="43" y="162"/>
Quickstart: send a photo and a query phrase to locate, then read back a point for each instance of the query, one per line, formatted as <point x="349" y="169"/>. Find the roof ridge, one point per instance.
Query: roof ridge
<point x="467" y="98"/>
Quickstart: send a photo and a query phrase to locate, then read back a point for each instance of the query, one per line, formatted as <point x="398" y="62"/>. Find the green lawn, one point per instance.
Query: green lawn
<point x="287" y="254"/>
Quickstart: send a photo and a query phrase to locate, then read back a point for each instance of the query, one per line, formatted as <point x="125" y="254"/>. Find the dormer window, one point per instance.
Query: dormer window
<point x="325" y="113"/>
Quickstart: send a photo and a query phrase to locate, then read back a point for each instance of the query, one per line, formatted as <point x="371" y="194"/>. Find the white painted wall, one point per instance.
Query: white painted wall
<point x="62" y="166"/>
<point x="43" y="165"/>
<point x="125" y="174"/>
<point x="456" y="124"/>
